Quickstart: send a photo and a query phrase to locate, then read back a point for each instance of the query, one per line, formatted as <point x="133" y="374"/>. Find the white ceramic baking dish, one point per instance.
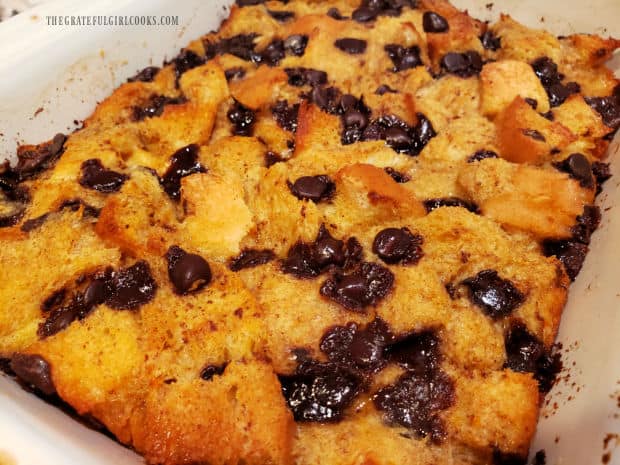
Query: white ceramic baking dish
<point x="53" y="75"/>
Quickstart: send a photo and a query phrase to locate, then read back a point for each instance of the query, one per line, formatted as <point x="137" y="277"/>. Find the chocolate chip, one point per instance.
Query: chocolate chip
<point x="395" y="245"/>
<point x="356" y="348"/>
<point x="490" y="41"/>
<point x="354" y="119"/>
<point x="189" y="273"/>
<point x="385" y="89"/>
<point x="302" y="76"/>
<point x="296" y="44"/>
<point x="58" y="320"/>
<point x="558" y="92"/>
<point x="234" y="73"/>
<point x="95" y="176"/>
<point x="145" y="75"/>
<point x="335" y="14"/>
<point x="300" y="262"/>
<point x="608" y="108"/>
<point x="551" y="79"/>
<point x="131" y="287"/>
<point x="397" y="176"/>
<point x="433" y="22"/>
<point x="185" y="61"/>
<point x="370" y="9"/>
<point x="398" y="139"/>
<point x="34" y="161"/>
<point x="422" y="133"/>
<point x="281" y="16"/>
<point x="409" y="140"/>
<point x="415" y="400"/>
<point x="367" y="347"/>
<point x="272" y="54"/>
<point x="587" y="223"/>
<point x="242" y="118"/>
<point x="526" y="353"/>
<point x="183" y="162"/>
<point x="327" y="249"/>
<point x="532" y="102"/>
<point x="547" y="71"/>
<point x="155" y="106"/>
<point x="250" y="258"/>
<point x="285" y="116"/>
<point x="534" y="134"/>
<point x="353" y="253"/>
<point x="403" y="57"/>
<point x="62" y="310"/>
<point x="309" y="260"/>
<point x="35" y="371"/>
<point x="578" y="167"/>
<point x="364" y="15"/>
<point x="241" y="45"/>
<point x="432" y="204"/>
<point x="365" y="286"/>
<point x="210" y="371"/>
<point x="418" y="352"/>
<point x="497" y="297"/>
<point x="571" y="253"/>
<point x="315" y="188"/>
<point x="320" y="392"/>
<point x="462" y="64"/>
<point x="351" y="46"/>
<point x="481" y="155"/>
<point x="602" y="173"/>
<point x="326" y="98"/>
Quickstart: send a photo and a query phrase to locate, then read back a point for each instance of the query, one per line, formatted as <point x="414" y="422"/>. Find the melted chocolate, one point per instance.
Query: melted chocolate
<point x="403" y="57"/>
<point x="33" y="370"/>
<point x="182" y="163"/>
<point x="286" y="116"/>
<point x="415" y="400"/>
<point x="209" y="371"/>
<point x="551" y="79"/>
<point x="146" y="75"/>
<point x="526" y="353"/>
<point x="462" y="64"/>
<point x="154" y="106"/>
<point x="496" y="296"/>
<point x="481" y="155"/>
<point x="242" y="119"/>
<point x="433" y="204"/>
<point x="95" y="176"/>
<point x="366" y="285"/>
<point x="320" y="391"/>
<point x="250" y="258"/>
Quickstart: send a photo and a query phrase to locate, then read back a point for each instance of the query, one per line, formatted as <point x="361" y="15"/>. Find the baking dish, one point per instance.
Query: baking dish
<point x="53" y="75"/>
